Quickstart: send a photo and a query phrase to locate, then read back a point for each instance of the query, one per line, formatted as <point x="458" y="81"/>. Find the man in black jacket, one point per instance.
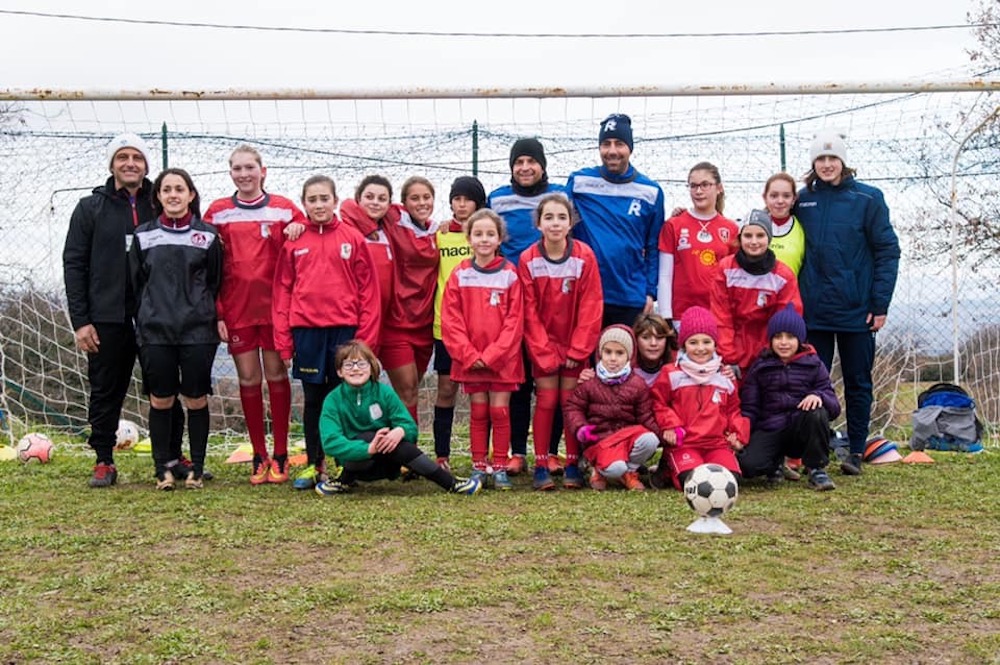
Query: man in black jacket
<point x="95" y="268"/>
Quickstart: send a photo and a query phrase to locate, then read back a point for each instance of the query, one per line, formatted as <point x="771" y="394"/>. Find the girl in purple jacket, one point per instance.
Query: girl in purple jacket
<point x="789" y="400"/>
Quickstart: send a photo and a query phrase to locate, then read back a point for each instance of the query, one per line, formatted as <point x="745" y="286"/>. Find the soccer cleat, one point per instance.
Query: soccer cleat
<point x="598" y="482"/>
<point x="186" y="466"/>
<point x="444" y="463"/>
<point x="166" y="483"/>
<point x="278" y="472"/>
<point x="467" y="487"/>
<point x="261" y="471"/>
<point x="516" y="465"/>
<point x="789" y="473"/>
<point x="501" y="481"/>
<point x="542" y="481"/>
<point x="820" y="481"/>
<point x="331" y="487"/>
<point x="573" y="480"/>
<point x="105" y="475"/>
<point x="555" y="465"/>
<point x="307" y="478"/>
<point x="630" y="479"/>
<point x="852" y="465"/>
<point x="194" y="483"/>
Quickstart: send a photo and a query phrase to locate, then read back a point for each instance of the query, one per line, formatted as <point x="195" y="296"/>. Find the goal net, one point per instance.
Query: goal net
<point x="904" y="143"/>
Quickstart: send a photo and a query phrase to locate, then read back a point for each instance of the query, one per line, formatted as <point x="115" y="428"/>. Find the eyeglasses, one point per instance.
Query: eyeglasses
<point x="695" y="186"/>
<point x="355" y="364"/>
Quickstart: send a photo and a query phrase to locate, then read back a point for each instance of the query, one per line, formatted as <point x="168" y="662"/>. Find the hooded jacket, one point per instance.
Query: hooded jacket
<point x="772" y="389"/>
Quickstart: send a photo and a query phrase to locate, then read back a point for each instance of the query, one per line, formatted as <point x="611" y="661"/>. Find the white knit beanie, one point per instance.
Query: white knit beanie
<point x="128" y="140"/>
<point x="621" y="334"/>
<point x="828" y="142"/>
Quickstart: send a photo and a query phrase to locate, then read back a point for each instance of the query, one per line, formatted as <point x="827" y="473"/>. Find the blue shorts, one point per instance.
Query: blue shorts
<point x="316" y="351"/>
<point x="442" y="359"/>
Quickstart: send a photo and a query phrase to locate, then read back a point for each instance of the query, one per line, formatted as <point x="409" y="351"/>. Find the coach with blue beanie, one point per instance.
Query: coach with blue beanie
<point x="847" y="277"/>
<point x="621" y="212"/>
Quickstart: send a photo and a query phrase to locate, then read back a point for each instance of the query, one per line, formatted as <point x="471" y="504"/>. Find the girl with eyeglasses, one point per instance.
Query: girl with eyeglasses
<point x="326" y="293"/>
<point x="366" y="427"/>
<point x="692" y="244"/>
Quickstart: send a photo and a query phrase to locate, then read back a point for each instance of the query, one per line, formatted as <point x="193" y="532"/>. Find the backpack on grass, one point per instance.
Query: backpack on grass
<point x="945" y="419"/>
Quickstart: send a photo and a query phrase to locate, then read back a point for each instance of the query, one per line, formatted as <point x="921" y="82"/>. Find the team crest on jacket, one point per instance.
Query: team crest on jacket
<point x="345" y="250"/>
<point x="199" y="239"/>
<point x="375" y="411"/>
<point x="567" y="284"/>
<point x="724" y="235"/>
<point x="495" y="297"/>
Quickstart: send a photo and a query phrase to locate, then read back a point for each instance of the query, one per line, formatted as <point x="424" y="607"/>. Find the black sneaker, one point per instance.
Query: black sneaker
<point x="852" y="465"/>
<point x="185" y="467"/>
<point x="775" y="477"/>
<point x="820" y="481"/>
<point x="105" y="475"/>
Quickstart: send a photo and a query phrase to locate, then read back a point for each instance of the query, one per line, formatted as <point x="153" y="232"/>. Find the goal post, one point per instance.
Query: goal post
<point x="902" y="137"/>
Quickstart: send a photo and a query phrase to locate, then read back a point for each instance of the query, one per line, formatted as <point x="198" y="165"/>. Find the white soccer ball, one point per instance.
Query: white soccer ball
<point x="35" y="447"/>
<point x="127" y="435"/>
<point x="711" y="490"/>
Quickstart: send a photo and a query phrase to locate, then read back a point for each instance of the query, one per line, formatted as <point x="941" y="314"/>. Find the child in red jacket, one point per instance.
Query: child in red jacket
<point x="325" y="294"/>
<point x="563" y="306"/>
<point x="747" y="290"/>
<point x="697" y="407"/>
<point x="481" y="325"/>
<point x="612" y="416"/>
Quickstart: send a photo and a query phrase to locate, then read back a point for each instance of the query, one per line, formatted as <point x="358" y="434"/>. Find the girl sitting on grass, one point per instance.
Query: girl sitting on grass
<point x="366" y="427"/>
<point x="612" y="415"/>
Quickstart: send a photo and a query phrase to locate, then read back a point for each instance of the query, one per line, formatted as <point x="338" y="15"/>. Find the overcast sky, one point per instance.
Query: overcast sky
<point x="74" y="54"/>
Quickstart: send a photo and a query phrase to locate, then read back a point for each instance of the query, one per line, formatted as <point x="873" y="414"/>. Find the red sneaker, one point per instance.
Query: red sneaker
<point x="277" y="473"/>
<point x="516" y="465"/>
<point x="630" y="479"/>
<point x="555" y="465"/>
<point x="261" y="471"/>
<point x="598" y="482"/>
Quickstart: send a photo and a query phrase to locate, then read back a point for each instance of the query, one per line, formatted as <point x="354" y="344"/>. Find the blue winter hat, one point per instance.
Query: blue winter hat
<point x="789" y="321"/>
<point x="616" y="126"/>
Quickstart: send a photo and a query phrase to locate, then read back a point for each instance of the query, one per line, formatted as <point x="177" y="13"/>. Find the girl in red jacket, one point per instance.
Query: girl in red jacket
<point x="563" y="306"/>
<point x="692" y="244"/>
<point x="481" y="326"/>
<point x="252" y="226"/>
<point x="371" y="211"/>
<point x="612" y="416"/>
<point x="325" y="294"/>
<point x="696" y="406"/>
<point x="748" y="288"/>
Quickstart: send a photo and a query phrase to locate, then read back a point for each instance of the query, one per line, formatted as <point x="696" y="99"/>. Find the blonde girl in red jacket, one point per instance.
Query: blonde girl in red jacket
<point x="252" y="226"/>
<point x="482" y="322"/>
<point x="563" y="306"/>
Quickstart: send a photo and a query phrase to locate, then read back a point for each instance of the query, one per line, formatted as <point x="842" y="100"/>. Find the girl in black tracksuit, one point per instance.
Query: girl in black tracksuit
<point x="176" y="268"/>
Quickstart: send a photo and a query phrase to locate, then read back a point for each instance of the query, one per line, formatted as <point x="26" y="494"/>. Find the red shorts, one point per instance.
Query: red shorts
<point x="562" y="372"/>
<point x="251" y="338"/>
<point x="615" y="447"/>
<point x="685" y="458"/>
<point x="399" y="348"/>
<point x="489" y="387"/>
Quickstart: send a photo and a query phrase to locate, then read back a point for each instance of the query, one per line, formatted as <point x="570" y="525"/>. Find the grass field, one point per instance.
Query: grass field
<point x="900" y="565"/>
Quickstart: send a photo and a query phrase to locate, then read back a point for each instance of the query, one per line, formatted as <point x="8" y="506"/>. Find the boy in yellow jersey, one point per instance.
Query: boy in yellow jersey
<point x="467" y="196"/>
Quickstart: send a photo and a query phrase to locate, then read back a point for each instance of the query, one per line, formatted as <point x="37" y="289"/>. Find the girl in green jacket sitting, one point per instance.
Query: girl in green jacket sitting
<point x="367" y="429"/>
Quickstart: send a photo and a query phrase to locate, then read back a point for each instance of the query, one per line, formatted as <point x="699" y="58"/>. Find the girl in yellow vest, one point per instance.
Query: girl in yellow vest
<point x="789" y="240"/>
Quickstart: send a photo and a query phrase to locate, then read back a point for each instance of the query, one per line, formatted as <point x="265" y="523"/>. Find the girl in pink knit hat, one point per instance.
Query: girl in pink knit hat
<point x="696" y="406"/>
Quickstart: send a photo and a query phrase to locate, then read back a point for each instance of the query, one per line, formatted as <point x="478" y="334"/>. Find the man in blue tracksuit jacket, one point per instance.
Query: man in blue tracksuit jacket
<point x="621" y="212"/>
<point x="847" y="277"/>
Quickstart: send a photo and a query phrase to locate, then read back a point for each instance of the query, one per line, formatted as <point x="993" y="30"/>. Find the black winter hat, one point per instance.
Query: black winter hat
<point x="469" y="187"/>
<point x="528" y="147"/>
